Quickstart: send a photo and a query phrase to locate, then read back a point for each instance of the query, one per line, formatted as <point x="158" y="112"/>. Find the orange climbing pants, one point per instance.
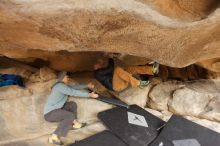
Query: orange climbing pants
<point x="142" y="70"/>
<point x="123" y="78"/>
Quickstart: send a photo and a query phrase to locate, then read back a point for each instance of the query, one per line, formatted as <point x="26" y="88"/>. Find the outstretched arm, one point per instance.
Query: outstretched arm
<point x="79" y="87"/>
<point x="68" y="90"/>
<point x="83" y="86"/>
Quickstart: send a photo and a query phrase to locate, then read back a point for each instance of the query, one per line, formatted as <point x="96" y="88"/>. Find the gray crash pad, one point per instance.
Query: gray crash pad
<point x="182" y="132"/>
<point x="135" y="126"/>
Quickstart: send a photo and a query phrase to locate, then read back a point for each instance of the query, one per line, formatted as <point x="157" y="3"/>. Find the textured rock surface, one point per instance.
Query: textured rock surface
<point x="10" y="92"/>
<point x="192" y="72"/>
<point x="144" y="28"/>
<point x="189" y="102"/>
<point x="204" y="86"/>
<point x="212" y="111"/>
<point x="135" y="96"/>
<point x="23" y="124"/>
<point x="89" y="108"/>
<point x="40" y="87"/>
<point x="185" y="10"/>
<point x="199" y="98"/>
<point x="22" y="118"/>
<point x="47" y="74"/>
<point x="162" y="93"/>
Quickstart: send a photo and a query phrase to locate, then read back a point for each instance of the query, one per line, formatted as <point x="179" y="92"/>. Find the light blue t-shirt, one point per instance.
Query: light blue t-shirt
<point x="60" y="93"/>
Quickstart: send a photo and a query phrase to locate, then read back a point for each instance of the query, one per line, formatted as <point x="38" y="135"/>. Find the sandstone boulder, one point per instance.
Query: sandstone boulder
<point x="23" y="118"/>
<point x="47" y="74"/>
<point x="35" y="77"/>
<point x="155" y="113"/>
<point x="42" y="75"/>
<point x="163" y="115"/>
<point x="204" y="86"/>
<point x="135" y="96"/>
<point x="40" y="87"/>
<point x="11" y="92"/>
<point x="166" y="115"/>
<point x="189" y="102"/>
<point x="162" y="93"/>
<point x="212" y="111"/>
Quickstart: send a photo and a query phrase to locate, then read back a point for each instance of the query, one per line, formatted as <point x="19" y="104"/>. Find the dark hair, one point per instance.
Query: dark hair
<point x="61" y="75"/>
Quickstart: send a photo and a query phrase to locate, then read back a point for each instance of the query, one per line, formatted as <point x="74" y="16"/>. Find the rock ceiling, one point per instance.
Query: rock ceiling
<point x="176" y="33"/>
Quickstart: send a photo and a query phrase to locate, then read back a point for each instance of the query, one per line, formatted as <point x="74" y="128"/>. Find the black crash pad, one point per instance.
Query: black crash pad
<point x="135" y="126"/>
<point x="110" y="100"/>
<point x="182" y="132"/>
<point x="104" y="138"/>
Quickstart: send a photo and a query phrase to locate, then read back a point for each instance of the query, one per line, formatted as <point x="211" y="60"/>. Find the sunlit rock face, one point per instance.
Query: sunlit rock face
<point x="174" y="33"/>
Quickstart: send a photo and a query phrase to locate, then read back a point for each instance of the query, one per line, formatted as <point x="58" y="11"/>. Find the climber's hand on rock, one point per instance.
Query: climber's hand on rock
<point x="93" y="95"/>
<point x="91" y="85"/>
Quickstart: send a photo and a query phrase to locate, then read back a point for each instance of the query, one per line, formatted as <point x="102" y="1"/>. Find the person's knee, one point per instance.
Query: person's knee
<point x="118" y="69"/>
<point x="46" y="118"/>
<point x="119" y="72"/>
<point x="73" y="105"/>
<point x="71" y="117"/>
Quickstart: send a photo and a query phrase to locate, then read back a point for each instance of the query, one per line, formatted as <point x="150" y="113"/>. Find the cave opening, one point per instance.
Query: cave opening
<point x="83" y="62"/>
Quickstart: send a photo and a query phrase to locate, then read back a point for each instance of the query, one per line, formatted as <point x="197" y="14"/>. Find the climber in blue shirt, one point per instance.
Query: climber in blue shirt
<point x="58" y="109"/>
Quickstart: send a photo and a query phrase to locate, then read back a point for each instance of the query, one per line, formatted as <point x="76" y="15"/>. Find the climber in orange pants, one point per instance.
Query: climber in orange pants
<point x="118" y="79"/>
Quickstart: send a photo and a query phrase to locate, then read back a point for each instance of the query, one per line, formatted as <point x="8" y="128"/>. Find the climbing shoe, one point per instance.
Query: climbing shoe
<point x="54" y="139"/>
<point x="78" y="125"/>
<point x="155" y="69"/>
<point x="143" y="84"/>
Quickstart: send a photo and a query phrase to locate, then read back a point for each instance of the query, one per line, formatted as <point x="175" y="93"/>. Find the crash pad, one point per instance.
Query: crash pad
<point x="135" y="126"/>
<point x="182" y="132"/>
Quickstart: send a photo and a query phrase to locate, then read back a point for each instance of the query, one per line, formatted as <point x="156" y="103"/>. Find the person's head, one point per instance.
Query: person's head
<point x="99" y="64"/>
<point x="63" y="77"/>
